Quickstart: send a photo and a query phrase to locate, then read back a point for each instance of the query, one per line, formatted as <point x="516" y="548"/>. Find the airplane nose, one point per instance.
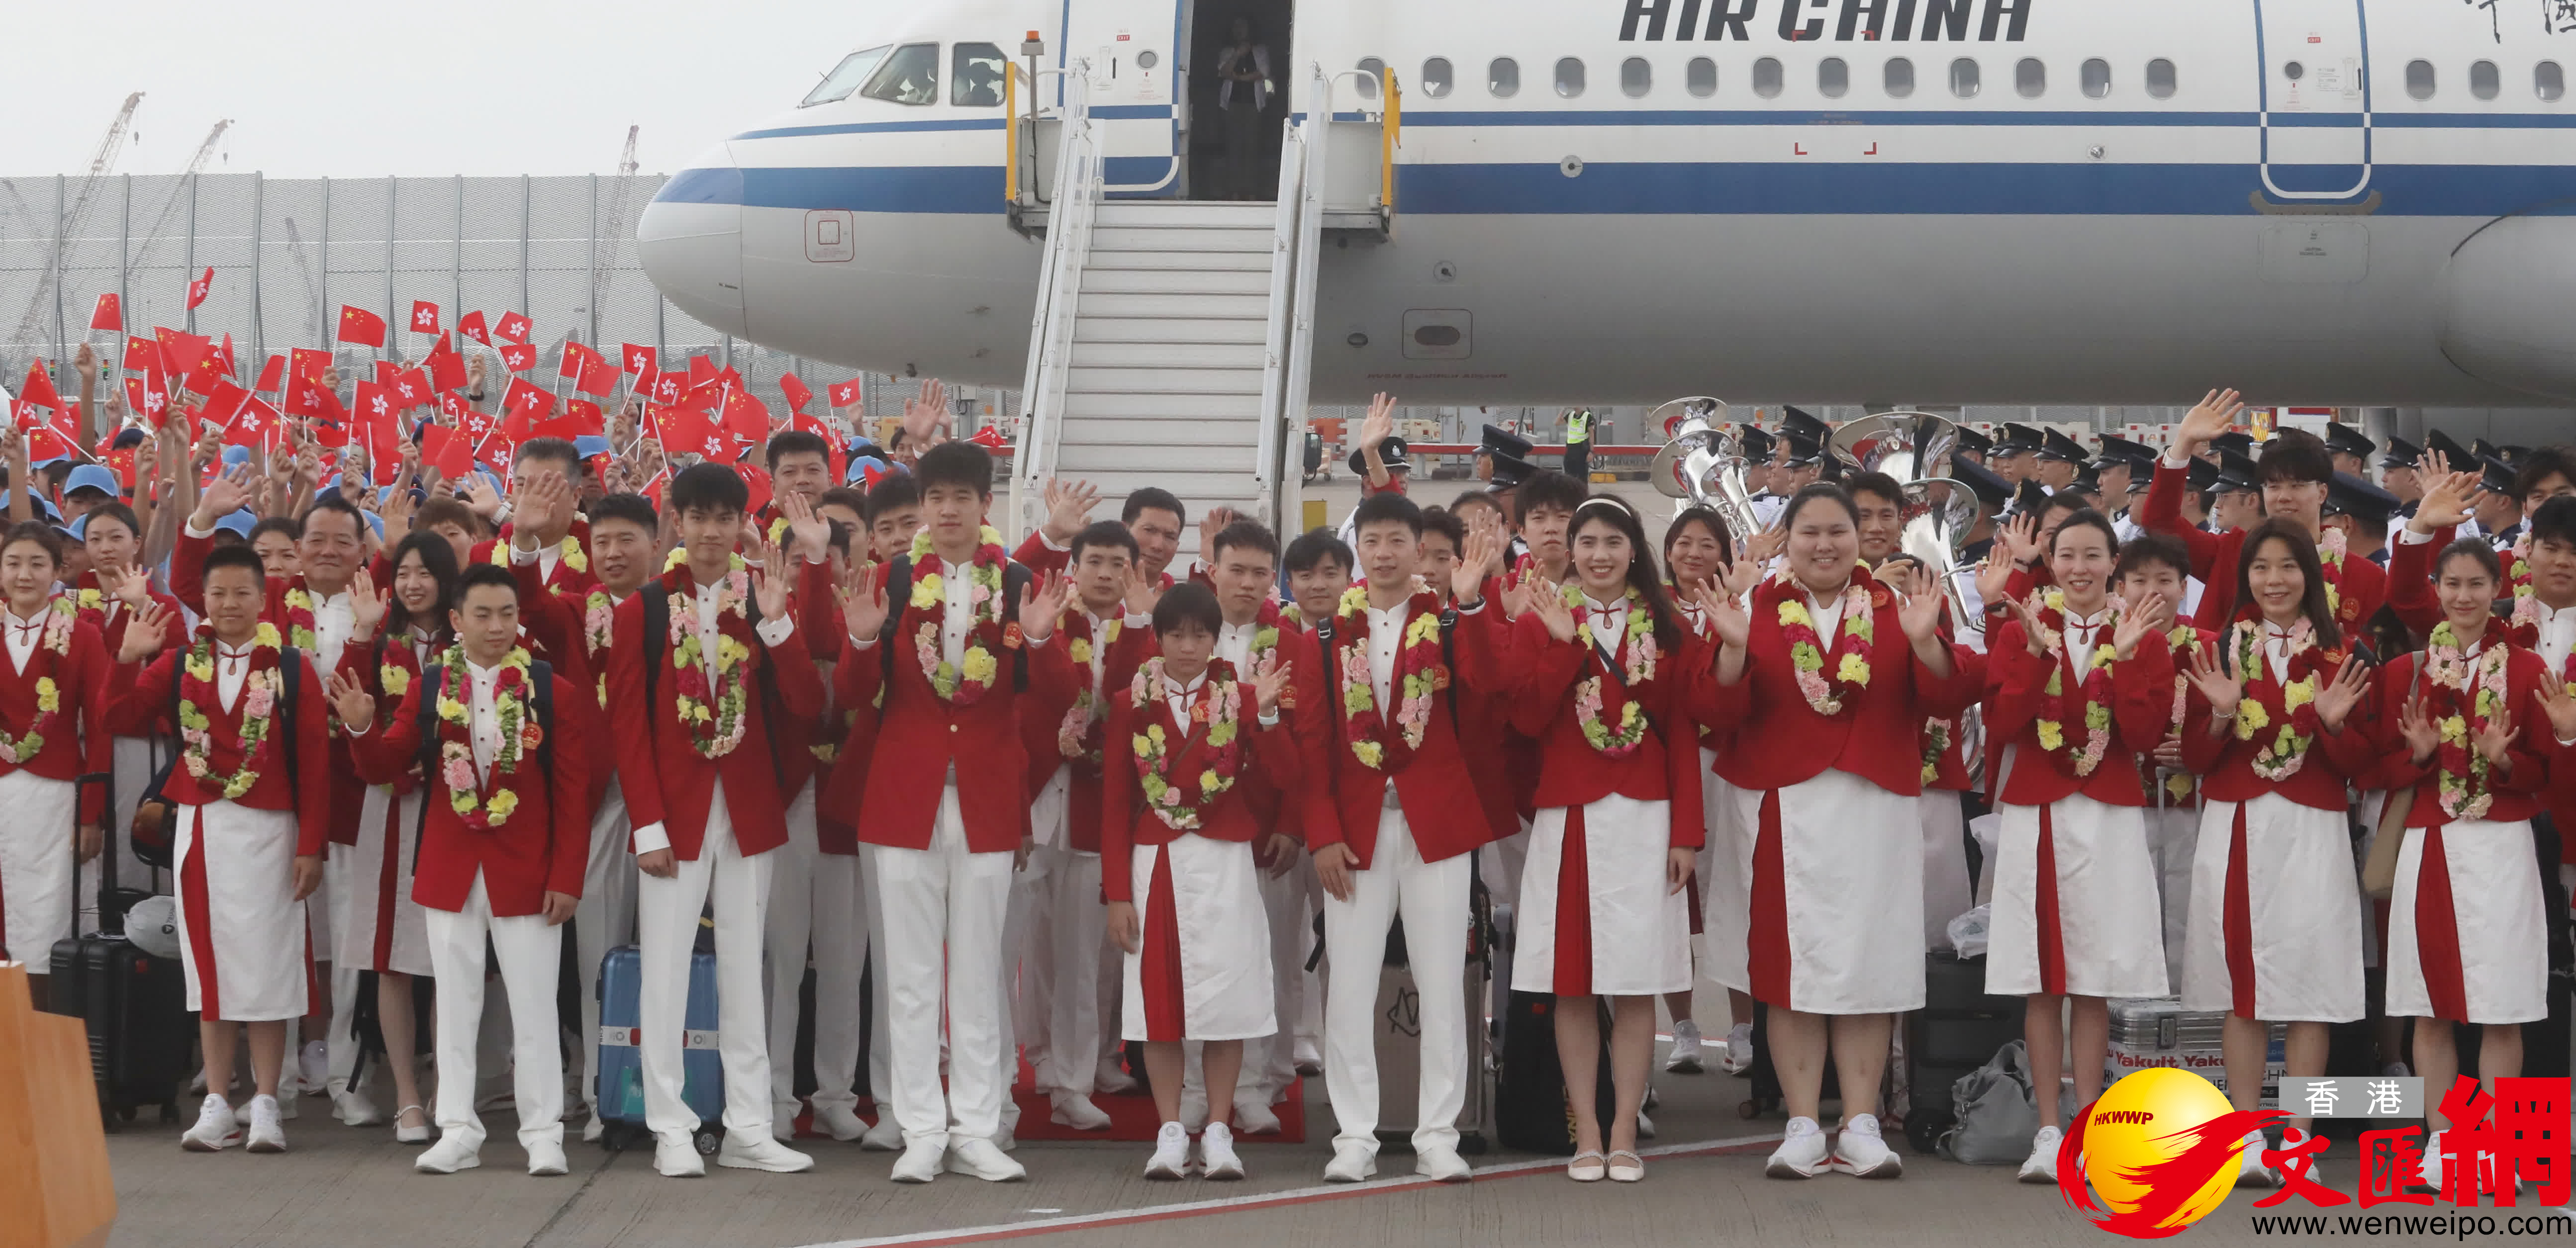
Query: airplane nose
<point x="2504" y="297"/>
<point x="690" y="240"/>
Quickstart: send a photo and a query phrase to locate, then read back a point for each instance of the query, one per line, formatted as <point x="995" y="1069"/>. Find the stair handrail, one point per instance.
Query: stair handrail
<point x="1310" y="236"/>
<point x="1068" y="243"/>
<point x="1269" y="468"/>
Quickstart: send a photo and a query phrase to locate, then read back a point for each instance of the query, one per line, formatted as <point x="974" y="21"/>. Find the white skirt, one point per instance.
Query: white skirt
<point x="2109" y="939"/>
<point x="1721" y="862"/>
<point x="1637" y="926"/>
<point x="248" y="953"/>
<point x="1204" y="973"/>
<point x="1845" y="907"/>
<point x="2500" y="927"/>
<point x="36" y="870"/>
<point x="1947" y="891"/>
<point x="2299" y="938"/>
<point x="375" y="925"/>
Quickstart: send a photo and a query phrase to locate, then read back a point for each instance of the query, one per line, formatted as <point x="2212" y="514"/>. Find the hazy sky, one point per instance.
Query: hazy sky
<point x="353" y="90"/>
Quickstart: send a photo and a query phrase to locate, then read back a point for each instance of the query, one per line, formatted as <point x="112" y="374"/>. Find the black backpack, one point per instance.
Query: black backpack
<point x="541" y="683"/>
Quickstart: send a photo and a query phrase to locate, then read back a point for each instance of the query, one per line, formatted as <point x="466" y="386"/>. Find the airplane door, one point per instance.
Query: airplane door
<point x="1135" y="48"/>
<point x="2314" y="98"/>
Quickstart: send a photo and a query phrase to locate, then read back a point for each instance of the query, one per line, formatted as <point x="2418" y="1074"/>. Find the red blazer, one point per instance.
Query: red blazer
<point x="1040" y="719"/>
<point x="1664" y="766"/>
<point x="366" y="664"/>
<point x="2518" y="793"/>
<point x="2410" y="583"/>
<point x="111" y="631"/>
<point x="541" y="848"/>
<point x="1125" y="823"/>
<point x="2141" y="707"/>
<point x="566" y="578"/>
<point x="1781" y="741"/>
<point x="79" y="742"/>
<point x="147" y="694"/>
<point x="1444" y="806"/>
<point x="2214" y="557"/>
<point x="663" y="777"/>
<point x="2225" y="764"/>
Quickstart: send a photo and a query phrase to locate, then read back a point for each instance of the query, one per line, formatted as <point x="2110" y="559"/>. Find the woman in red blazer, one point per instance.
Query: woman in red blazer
<point x="1698" y="549"/>
<point x="1827" y="676"/>
<point x="1176" y="830"/>
<point x="53" y="708"/>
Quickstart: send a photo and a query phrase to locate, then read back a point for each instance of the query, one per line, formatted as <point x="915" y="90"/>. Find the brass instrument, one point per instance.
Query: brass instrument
<point x="1915" y="448"/>
<point x="1702" y="464"/>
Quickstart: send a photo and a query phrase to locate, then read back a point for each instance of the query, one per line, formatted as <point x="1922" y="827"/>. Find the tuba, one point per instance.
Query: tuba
<point x="1701" y="464"/>
<point x="1915" y="448"/>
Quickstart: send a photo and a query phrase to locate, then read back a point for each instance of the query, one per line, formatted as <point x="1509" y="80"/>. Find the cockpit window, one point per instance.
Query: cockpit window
<point x="845" y="77"/>
<point x="975" y="75"/>
<point x="910" y="76"/>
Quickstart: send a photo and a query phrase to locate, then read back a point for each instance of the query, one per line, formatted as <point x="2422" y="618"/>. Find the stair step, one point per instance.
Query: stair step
<point x="1191" y="261"/>
<point x="1187" y="213"/>
<point x="1163" y="455"/>
<point x="1190" y="283"/>
<point x="1083" y="378"/>
<point x="1155" y="353"/>
<point x="1199" y="408"/>
<point x="1089" y="330"/>
<point x="1252" y="307"/>
<point x="1123" y="239"/>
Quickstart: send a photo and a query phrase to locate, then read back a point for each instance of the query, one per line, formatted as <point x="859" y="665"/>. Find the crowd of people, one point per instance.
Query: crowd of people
<point x="1051" y="802"/>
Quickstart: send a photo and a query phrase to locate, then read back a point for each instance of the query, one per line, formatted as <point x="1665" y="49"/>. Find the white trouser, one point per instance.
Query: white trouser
<point x="813" y="900"/>
<point x="1016" y="901"/>
<point x="1068" y="927"/>
<point x="1030" y="994"/>
<point x="340" y="1042"/>
<point x="1270" y="1063"/>
<point x="530" y="951"/>
<point x="880" y="1052"/>
<point x="602" y="921"/>
<point x="947" y="905"/>
<point x="1432" y="897"/>
<point x="667" y="912"/>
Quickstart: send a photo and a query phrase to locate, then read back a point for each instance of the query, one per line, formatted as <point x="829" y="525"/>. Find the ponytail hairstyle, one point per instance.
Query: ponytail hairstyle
<point x="1642" y="577"/>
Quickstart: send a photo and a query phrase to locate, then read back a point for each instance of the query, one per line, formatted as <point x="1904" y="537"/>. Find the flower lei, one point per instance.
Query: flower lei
<point x="1615" y="732"/>
<point x="1828" y="696"/>
<point x="2281" y="756"/>
<point x="569" y="551"/>
<point x="1419" y="674"/>
<point x="299" y="616"/>
<point x="483" y="804"/>
<point x="2464" y="782"/>
<point x="1936" y="742"/>
<point x="60" y="617"/>
<point x="2185" y="641"/>
<point x="2050" y="608"/>
<point x="2330" y="553"/>
<point x="1077" y="736"/>
<point x="258" y="707"/>
<point x="714" y="717"/>
<point x="964" y="683"/>
<point x="1183" y="804"/>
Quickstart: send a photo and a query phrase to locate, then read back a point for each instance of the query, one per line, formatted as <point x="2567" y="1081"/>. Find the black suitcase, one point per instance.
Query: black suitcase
<point x="1763" y="1097"/>
<point x="1531" y="1110"/>
<point x="1958" y="1030"/>
<point x="141" y="1038"/>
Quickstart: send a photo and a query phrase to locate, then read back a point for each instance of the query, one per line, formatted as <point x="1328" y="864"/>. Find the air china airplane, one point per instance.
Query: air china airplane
<point x="2095" y="201"/>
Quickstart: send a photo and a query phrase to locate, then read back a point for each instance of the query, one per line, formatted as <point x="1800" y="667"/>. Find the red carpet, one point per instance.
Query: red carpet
<point x="1131" y="1117"/>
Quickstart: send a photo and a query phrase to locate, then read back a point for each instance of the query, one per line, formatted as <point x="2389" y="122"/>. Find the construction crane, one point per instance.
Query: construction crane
<point x="74" y="216"/>
<point x="178" y="196"/>
<point x="614" y="220"/>
<point x="312" y="290"/>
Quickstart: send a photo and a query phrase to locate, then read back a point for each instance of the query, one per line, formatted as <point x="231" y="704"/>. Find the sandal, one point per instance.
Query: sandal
<point x="1585" y="1167"/>
<point x="1630" y="1171"/>
<point x="408" y="1134"/>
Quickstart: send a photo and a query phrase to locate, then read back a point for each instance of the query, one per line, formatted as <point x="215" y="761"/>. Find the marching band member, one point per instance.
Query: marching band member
<point x="54" y="697"/>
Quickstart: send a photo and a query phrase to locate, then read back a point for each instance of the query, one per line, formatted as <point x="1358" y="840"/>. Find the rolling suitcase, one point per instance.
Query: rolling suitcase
<point x="621" y="1065"/>
<point x="1398" y="1037"/>
<point x="1531" y="1110"/>
<point x="1957" y="1031"/>
<point x="141" y="1037"/>
<point x="1764" y="1094"/>
<point x="2157" y="1031"/>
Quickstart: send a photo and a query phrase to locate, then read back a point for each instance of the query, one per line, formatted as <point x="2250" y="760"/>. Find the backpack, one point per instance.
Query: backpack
<point x="1015" y="581"/>
<point x="541" y="683"/>
<point x="155" y="831"/>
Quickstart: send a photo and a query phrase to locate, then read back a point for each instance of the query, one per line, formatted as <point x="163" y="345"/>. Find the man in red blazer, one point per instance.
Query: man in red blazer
<point x="504" y="836"/>
<point x="702" y="788"/>
<point x="545" y="520"/>
<point x="2295" y="469"/>
<point x="947" y="805"/>
<point x="1393" y="831"/>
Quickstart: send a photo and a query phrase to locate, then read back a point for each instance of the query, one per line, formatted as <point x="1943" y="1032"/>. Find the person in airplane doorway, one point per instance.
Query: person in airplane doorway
<point x="1243" y="95"/>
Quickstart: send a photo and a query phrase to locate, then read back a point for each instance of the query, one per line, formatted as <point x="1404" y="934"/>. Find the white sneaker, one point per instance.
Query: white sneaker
<point x="1171" y="1157"/>
<point x="215" y="1130"/>
<point x="2430" y="1173"/>
<point x="1739" y="1049"/>
<point x="1216" y="1154"/>
<point x="2041" y="1165"/>
<point x="1254" y="1116"/>
<point x="840" y="1122"/>
<point x="1113" y="1078"/>
<point x="1352" y="1162"/>
<point x="758" y="1152"/>
<point x="265" y="1135"/>
<point x="313" y="1067"/>
<point x="454" y="1151"/>
<point x="1309" y="1062"/>
<point x="1802" y="1154"/>
<point x="356" y="1109"/>
<point x="2250" y="1171"/>
<point x="1442" y="1165"/>
<point x="676" y="1157"/>
<point x="982" y="1159"/>
<point x="1072" y="1109"/>
<point x="1684" y="1058"/>
<point x="920" y="1162"/>
<point x="1860" y="1150"/>
<point x="782" y="1121"/>
<point x="547" y="1159"/>
<point x="592" y="1130"/>
<point x="885" y="1136"/>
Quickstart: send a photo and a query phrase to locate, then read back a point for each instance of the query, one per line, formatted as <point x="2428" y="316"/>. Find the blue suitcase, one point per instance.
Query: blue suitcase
<point x="621" y="1066"/>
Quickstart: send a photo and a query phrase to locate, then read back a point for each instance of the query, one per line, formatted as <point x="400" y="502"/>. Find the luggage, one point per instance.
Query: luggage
<point x="1764" y="1096"/>
<point x="1959" y="1030"/>
<point x="141" y="1036"/>
<point x="2157" y="1031"/>
<point x="621" y="1067"/>
<point x="1997" y="1112"/>
<point x="1531" y="1110"/>
<point x="1398" y="1037"/>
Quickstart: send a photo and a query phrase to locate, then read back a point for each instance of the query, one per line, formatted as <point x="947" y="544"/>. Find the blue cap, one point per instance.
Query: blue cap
<point x="859" y="466"/>
<point x="93" y="477"/>
<point x="590" y="444"/>
<point x="238" y="523"/>
<point x="79" y="529"/>
<point x="51" y="460"/>
<point x="235" y="456"/>
<point x="377" y="521"/>
<point x="43" y="508"/>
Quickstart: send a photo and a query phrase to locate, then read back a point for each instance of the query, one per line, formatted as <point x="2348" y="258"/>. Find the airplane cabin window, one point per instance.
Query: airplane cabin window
<point x="1766" y="77"/>
<point x="1636" y="77"/>
<point x="1436" y="75"/>
<point x="1503" y="77"/>
<point x="1701" y="80"/>
<point x="910" y="76"/>
<point x="845" y="77"/>
<point x="975" y="74"/>
<point x="2419" y="79"/>
<point x="2096" y="78"/>
<point x="2030" y="78"/>
<point x="1899" y="77"/>
<point x="1372" y="72"/>
<point x="1963" y="78"/>
<point x="2548" y="81"/>
<point x="1833" y="77"/>
<point x="2484" y="82"/>
<point x="2160" y="78"/>
<point x="1569" y="77"/>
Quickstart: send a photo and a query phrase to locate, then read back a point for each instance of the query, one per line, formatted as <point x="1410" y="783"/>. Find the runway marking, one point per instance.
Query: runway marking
<point x="1240" y="1204"/>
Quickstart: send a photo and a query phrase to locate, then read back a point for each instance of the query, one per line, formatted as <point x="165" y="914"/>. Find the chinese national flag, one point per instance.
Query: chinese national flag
<point x="254" y="426"/>
<point x="49" y="440"/>
<point x="447" y="451"/>
<point x="424" y="317"/>
<point x="846" y="393"/>
<point x="446" y="367"/>
<point x="585" y="417"/>
<point x="181" y="352"/>
<point x="702" y="371"/>
<point x="108" y="315"/>
<point x="39" y="389"/>
<point x="385" y="371"/>
<point x="596" y="376"/>
<point x="209" y="370"/>
<point x="308" y="362"/>
<point x="797" y="392"/>
<point x="527" y="401"/>
<point x="361" y="326"/>
<point x="745" y="417"/>
<point x="756" y="477"/>
<point x="141" y="354"/>
<point x="134" y="400"/>
<point x="639" y="360"/>
<point x="518" y="357"/>
<point x="688" y="433"/>
<point x="271" y="374"/>
<point x="224" y="356"/>
<point x="225" y="403"/>
<point x="513" y="327"/>
<point x="121" y="462"/>
<point x="989" y="437"/>
<point x="410" y="389"/>
<point x="471" y="325"/>
<point x="200" y="288"/>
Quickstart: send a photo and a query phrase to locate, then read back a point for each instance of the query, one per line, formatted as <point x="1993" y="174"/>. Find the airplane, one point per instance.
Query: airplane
<point x="1616" y="201"/>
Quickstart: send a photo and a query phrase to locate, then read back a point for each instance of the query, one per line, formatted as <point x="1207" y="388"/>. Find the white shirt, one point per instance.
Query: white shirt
<point x="2557" y="634"/>
<point x="1827" y="612"/>
<point x="1180" y="702"/>
<point x="24" y="635"/>
<point x="1234" y="645"/>
<point x="2083" y="633"/>
<point x="2276" y="651"/>
<point x="483" y="714"/>
<point x="332" y="623"/>
<point x="1386" y="639"/>
<point x="545" y="556"/>
<point x="1100" y="633"/>
<point x="1606" y="623"/>
<point x="232" y="670"/>
<point x="959" y="589"/>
